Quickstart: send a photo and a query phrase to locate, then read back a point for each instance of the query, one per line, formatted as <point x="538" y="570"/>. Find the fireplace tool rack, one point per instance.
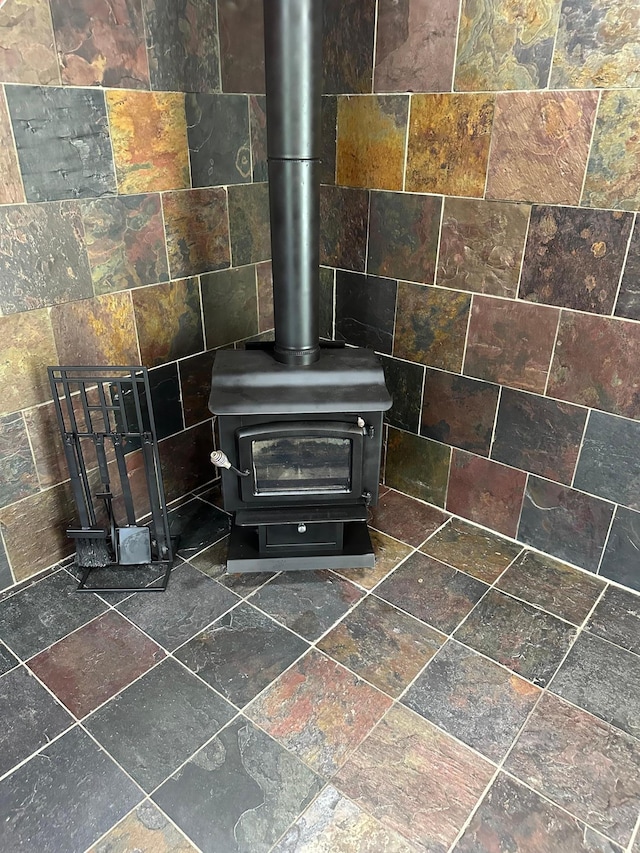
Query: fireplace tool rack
<point x="104" y="413"/>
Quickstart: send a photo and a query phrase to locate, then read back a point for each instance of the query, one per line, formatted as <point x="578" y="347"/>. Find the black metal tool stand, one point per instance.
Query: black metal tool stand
<point x="104" y="413"/>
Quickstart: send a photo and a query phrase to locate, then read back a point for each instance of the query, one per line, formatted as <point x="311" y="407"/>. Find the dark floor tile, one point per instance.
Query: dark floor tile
<point x="145" y="829"/>
<point x="126" y="577"/>
<point x="334" y="823"/>
<point x="307" y="602"/>
<point x="381" y="644"/>
<point x="513" y="817"/>
<point x="30" y="717"/>
<point x="417" y="466"/>
<point x="213" y="562"/>
<point x="604" y="680"/>
<point x="7" y="660"/>
<point x="582" y="764"/>
<point x="249" y="223"/>
<point x="218" y="132"/>
<point x="554" y="586"/>
<point x="241" y="653"/>
<point x="347" y="46"/>
<point x="405" y="518"/>
<point x="190" y="602"/>
<point x="620" y="559"/>
<point x="432" y="591"/>
<point x="527" y="640"/>
<point x="93" y="664"/>
<point x="319" y="711"/>
<point x="617" y="619"/>
<point x="609" y="465"/>
<point x="242" y="46"/>
<point x="74" y="792"/>
<point x="6" y="578"/>
<point x="168" y="320"/>
<point x="628" y="301"/>
<point x="237" y="289"/>
<point x="404" y="381"/>
<point x="476" y="552"/>
<point x="197" y="230"/>
<point x="564" y="522"/>
<point x="365" y="310"/>
<point x="197" y="524"/>
<point x="388" y="553"/>
<point x="473" y="699"/>
<point x="158" y="722"/>
<point x="344" y="213"/>
<point x="239" y="793"/>
<point x="392" y="776"/>
<point x="35" y="618"/>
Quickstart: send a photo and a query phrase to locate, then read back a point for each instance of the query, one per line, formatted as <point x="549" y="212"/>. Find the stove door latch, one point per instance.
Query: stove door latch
<point x="221" y="460"/>
<point x="366" y="430"/>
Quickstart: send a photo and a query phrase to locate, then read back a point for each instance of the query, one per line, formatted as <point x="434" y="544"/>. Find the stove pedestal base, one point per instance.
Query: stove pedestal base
<point x="245" y="555"/>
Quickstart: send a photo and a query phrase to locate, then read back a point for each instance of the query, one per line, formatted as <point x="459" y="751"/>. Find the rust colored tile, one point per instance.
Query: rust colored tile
<point x="146" y="828"/>
<point x="96" y="331"/>
<point x="478" y="553"/>
<point x="27" y="48"/>
<point x="449" y="137"/>
<point x="406" y="519"/>
<point x="347" y="47"/>
<point x="504" y="45"/>
<point x="344" y="215"/>
<point x="417" y="466"/>
<point x="392" y="776"/>
<point x="101" y="43"/>
<point x="388" y="552"/>
<point x="11" y="190"/>
<point x="510" y="342"/>
<point x="169" y="321"/>
<point x="415" y="45"/>
<point x="265" y="296"/>
<point x="371" y="141"/>
<point x="241" y="45"/>
<point x="540" y="146"/>
<point x="17" y="468"/>
<point x="27" y="347"/>
<point x="431" y="325"/>
<point x="613" y="172"/>
<point x="595" y="363"/>
<point x="481" y="246"/>
<point x="197" y="227"/>
<point x="485" y="492"/>
<point x="149" y="138"/>
<point x="249" y="223"/>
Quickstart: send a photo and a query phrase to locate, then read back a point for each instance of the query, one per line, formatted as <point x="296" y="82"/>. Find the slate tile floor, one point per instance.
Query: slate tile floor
<point x="466" y="694"/>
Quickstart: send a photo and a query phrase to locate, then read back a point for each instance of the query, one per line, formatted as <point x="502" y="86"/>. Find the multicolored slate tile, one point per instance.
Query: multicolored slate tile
<point x="406" y="519"/>
<point x="554" y="586"/>
<point x="481" y="246"/>
<point x="197" y="228"/>
<point x="48" y="237"/>
<point x="412" y="56"/>
<point x="242" y="46"/>
<point x="365" y="310"/>
<point x="264" y="275"/>
<point x="28" y="52"/>
<point x="594" y="363"/>
<point x="11" y="191"/>
<point x="501" y="46"/>
<point x="597" y="46"/>
<point x="382" y="645"/>
<point x="540" y="145"/>
<point x="47" y="124"/>
<point x="431" y="591"/>
<point x="249" y="223"/>
<point x="391" y="775"/>
<point x="239" y="793"/>
<point x="236" y="289"/>
<point x="473" y="550"/>
<point x="149" y="138"/>
<point x="485" y="492"/>
<point x="403" y="236"/>
<point x="7" y="660"/>
<point x="608" y="464"/>
<point x="146" y="827"/>
<point x="565" y="523"/>
<point x="574" y="257"/>
<point x="326" y="316"/>
<point x="344" y="215"/>
<point x="511" y="343"/>
<point x="584" y="765"/>
<point x="529" y="641"/>
<point x="513" y="817"/>
<point x="196" y="524"/>
<point x="448" y="147"/>
<point x="258" y="126"/>
<point x="404" y="382"/>
<point x="195" y="384"/>
<point x="125" y="242"/>
<point x="219" y="144"/>
<point x="347" y="47"/>
<point x="96" y="331"/>
<point x="613" y="177"/>
<point x="168" y="321"/>
<point x="18" y="476"/>
<point x="328" y="139"/>
<point x="371" y="141"/>
<point x="182" y="44"/>
<point x="459" y="411"/>
<point x="617" y="619"/>
<point x="417" y="466"/>
<point x="431" y="325"/>
<point x="213" y="562"/>
<point x="27" y="346"/>
<point x="388" y="552"/>
<point x="181" y="460"/>
<point x="619" y="561"/>
<point x="628" y="301"/>
<point x="101" y="44"/>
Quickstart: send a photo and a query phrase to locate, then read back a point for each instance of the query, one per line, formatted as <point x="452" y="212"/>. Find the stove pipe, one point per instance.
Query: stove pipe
<point x="293" y="61"/>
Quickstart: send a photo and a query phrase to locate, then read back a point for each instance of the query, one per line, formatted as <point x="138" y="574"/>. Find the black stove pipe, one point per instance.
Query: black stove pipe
<point x="293" y="61"/>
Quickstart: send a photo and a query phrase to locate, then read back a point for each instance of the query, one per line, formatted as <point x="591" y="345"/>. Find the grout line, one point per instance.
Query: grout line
<point x="375" y="45"/>
<point x="466" y="337"/>
<point x="635" y="835"/>
<point x="455" y="47"/>
<point x="366" y="245"/>
<point x="590" y="148"/>
<point x="423" y="387"/>
<point x="614" y="515"/>
<point x="406" y="146"/>
<point x="439" y="246"/>
<point x="548" y="88"/>
<point x="517" y="297"/>
<point x="491" y="142"/>
<point x="14" y="151"/>
<point x="495" y="423"/>
<point x="624" y="264"/>
<point x="553" y="354"/>
<point x="580" y="446"/>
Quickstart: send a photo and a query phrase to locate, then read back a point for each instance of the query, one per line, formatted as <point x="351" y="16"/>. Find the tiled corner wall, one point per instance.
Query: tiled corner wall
<point x="131" y="231"/>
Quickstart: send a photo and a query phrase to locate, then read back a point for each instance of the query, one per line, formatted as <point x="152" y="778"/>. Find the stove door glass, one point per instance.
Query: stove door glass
<point x="296" y="464"/>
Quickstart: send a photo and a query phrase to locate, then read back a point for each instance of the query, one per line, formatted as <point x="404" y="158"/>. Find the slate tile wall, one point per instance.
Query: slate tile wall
<point x="124" y="136"/>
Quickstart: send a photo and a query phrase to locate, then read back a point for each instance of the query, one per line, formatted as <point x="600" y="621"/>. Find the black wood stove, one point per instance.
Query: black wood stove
<point x="300" y="420"/>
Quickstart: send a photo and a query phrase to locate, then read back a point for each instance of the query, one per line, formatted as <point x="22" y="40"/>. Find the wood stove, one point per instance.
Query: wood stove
<point x="300" y="421"/>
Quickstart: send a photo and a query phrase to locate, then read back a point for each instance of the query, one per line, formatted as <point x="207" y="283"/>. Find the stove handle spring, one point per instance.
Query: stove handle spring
<point x="221" y="460"/>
